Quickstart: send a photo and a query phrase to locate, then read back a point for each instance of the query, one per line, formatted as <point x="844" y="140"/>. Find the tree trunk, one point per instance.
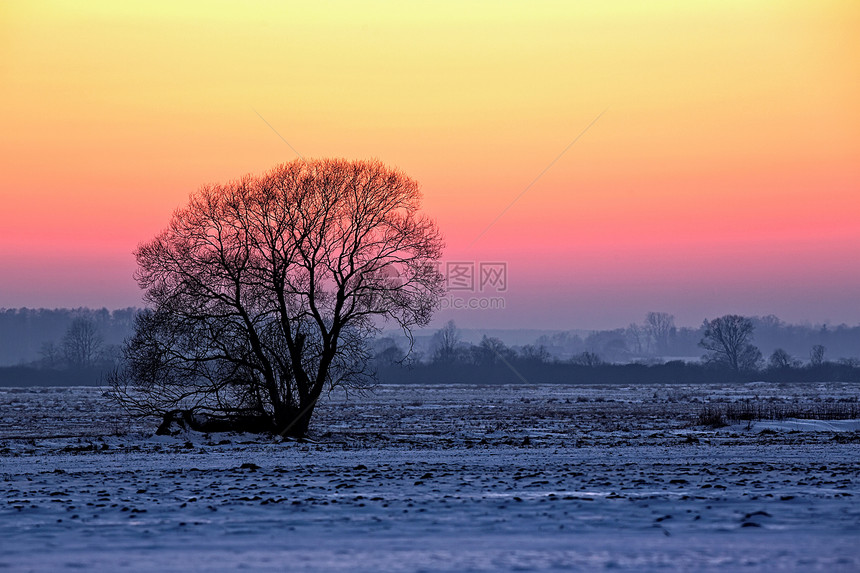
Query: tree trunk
<point x="297" y="421"/>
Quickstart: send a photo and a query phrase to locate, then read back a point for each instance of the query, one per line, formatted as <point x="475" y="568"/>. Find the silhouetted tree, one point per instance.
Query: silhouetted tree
<point x="661" y="326"/>
<point x="816" y="355"/>
<point x="491" y="351"/>
<point x="781" y="359"/>
<point x="264" y="292"/>
<point x="81" y="343"/>
<point x="445" y="343"/>
<point x="637" y="335"/>
<point x="535" y="354"/>
<point x="728" y="341"/>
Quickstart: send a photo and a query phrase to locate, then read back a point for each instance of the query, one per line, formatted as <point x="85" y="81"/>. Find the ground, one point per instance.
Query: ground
<point x="438" y="478"/>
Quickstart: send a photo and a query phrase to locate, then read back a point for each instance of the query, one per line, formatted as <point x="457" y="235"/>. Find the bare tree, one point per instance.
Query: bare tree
<point x="660" y="326"/>
<point x="490" y="351"/>
<point x="781" y="359"/>
<point x="816" y="355"/>
<point x="535" y="354"/>
<point x="81" y="343"/>
<point x="265" y="291"/>
<point x="588" y="359"/>
<point x="728" y="341"/>
<point x="445" y="342"/>
<point x="636" y="334"/>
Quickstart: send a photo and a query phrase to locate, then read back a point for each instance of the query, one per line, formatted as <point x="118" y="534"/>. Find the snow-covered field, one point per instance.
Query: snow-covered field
<point x="438" y="478"/>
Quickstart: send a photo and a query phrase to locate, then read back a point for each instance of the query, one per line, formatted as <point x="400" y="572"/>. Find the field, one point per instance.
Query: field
<point x="439" y="478"/>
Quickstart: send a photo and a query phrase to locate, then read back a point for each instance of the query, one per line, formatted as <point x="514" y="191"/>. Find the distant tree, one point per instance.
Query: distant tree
<point x="768" y="322"/>
<point x="611" y="344"/>
<point x="532" y="353"/>
<point x="51" y="355"/>
<point x="637" y="337"/>
<point x="660" y="326"/>
<point x="390" y="355"/>
<point x="36" y="335"/>
<point x="781" y="359"/>
<point x="561" y="343"/>
<point x="816" y="355"/>
<point x="728" y="341"/>
<point x="265" y="292"/>
<point x="386" y="351"/>
<point x="491" y="351"/>
<point x="81" y="343"/>
<point x="446" y="342"/>
<point x="588" y="359"/>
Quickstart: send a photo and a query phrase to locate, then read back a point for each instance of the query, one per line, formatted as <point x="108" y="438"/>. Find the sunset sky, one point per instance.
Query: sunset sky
<point x="723" y="175"/>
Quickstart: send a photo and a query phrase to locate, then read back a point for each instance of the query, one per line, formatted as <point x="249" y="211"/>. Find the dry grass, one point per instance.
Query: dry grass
<point x="718" y="415"/>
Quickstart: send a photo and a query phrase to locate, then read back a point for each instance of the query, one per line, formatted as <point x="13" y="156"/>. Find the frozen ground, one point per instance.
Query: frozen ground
<point x="438" y="478"/>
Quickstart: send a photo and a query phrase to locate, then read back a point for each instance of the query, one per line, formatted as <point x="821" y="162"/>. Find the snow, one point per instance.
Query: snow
<point x="437" y="478"/>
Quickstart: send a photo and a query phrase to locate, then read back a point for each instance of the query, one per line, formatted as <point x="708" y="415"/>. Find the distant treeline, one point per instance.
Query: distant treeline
<point x="657" y="336"/>
<point x="725" y="347"/>
<point x="31" y="336"/>
<point x="79" y="346"/>
<point x="45" y="336"/>
<point x="658" y="339"/>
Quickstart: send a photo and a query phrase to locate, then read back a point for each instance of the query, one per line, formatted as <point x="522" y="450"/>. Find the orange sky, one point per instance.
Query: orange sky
<point x="724" y="175"/>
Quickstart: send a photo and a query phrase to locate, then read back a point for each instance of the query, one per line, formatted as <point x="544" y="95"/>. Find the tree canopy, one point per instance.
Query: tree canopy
<point x="728" y="340"/>
<point x="263" y="292"/>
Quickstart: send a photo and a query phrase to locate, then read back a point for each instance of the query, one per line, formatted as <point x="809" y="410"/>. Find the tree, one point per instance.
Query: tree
<point x="81" y="343"/>
<point x="781" y="359"/>
<point x="491" y="351"/>
<point x="660" y="326"/>
<point x="590" y="359"/>
<point x="535" y="354"/>
<point x="265" y="291"/>
<point x="637" y="336"/>
<point x="386" y="352"/>
<point x="816" y="355"/>
<point x="445" y="343"/>
<point x="728" y="341"/>
<point x="609" y="344"/>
